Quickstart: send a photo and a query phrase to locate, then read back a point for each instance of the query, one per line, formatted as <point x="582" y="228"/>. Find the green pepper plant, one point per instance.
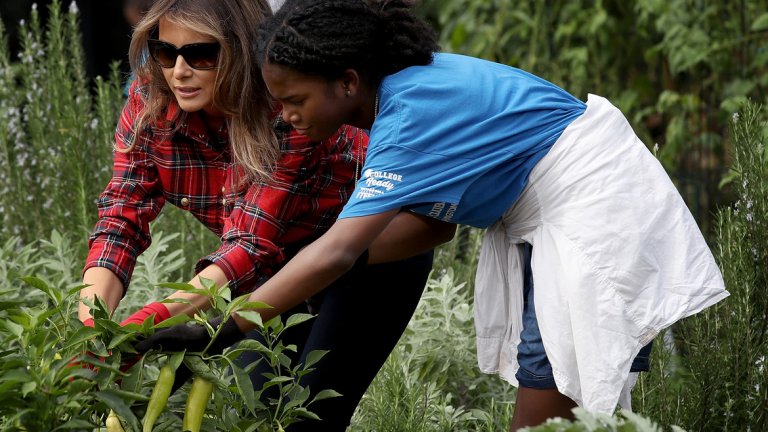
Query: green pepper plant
<point x="57" y="374"/>
<point x="221" y="395"/>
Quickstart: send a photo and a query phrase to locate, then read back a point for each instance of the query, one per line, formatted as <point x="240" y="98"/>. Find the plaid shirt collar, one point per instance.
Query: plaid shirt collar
<point x="192" y="126"/>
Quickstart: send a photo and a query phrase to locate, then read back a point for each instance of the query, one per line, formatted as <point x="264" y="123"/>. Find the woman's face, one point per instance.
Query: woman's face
<point x="193" y="88"/>
<point x="314" y="106"/>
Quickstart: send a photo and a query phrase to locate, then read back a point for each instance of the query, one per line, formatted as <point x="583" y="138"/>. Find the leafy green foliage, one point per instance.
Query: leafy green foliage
<point x="236" y="405"/>
<point x="440" y="341"/>
<point x="717" y="375"/>
<point x="431" y="379"/>
<point x="51" y="124"/>
<point x="626" y="421"/>
<point x="421" y="405"/>
<point x="57" y="374"/>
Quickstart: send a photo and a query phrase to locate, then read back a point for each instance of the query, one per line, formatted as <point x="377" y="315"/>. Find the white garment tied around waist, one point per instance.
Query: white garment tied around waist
<point x="617" y="257"/>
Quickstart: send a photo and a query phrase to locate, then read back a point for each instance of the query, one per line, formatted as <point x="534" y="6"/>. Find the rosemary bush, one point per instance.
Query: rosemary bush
<point x="431" y="380"/>
<point x="715" y="377"/>
<point x="53" y="130"/>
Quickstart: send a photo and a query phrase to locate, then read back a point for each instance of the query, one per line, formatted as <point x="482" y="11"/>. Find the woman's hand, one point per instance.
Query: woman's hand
<point x="102" y="283"/>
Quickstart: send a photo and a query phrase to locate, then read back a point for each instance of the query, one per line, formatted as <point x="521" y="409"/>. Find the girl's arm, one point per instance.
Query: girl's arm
<point x="408" y="234"/>
<point x="311" y="270"/>
<point x="319" y="264"/>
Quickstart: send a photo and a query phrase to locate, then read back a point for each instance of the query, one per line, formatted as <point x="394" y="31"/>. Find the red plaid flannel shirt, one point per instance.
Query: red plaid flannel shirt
<point x="191" y="167"/>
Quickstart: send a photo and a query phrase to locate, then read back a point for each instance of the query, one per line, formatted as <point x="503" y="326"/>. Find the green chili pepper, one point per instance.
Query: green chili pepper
<point x="113" y="423"/>
<point x="159" y="397"/>
<point x="196" y="402"/>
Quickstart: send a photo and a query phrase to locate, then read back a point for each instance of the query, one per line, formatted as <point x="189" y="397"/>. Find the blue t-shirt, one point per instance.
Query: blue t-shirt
<point x="457" y="139"/>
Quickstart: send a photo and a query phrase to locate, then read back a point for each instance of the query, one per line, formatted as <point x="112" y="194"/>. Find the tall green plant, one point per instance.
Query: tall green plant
<point x="11" y="134"/>
<point x="53" y="129"/>
<point x="431" y="379"/>
<point x="721" y="371"/>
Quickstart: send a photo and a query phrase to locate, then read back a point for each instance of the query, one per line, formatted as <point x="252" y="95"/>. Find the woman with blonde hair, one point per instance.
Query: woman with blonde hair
<point x="200" y="131"/>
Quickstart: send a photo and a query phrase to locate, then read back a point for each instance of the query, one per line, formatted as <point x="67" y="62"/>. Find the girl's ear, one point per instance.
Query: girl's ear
<point x="350" y="82"/>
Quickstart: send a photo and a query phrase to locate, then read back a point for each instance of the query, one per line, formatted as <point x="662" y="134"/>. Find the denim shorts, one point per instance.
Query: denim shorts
<point x="535" y="370"/>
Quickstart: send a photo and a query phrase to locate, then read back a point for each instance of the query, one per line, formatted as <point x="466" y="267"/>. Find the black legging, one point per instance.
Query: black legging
<point x="361" y="317"/>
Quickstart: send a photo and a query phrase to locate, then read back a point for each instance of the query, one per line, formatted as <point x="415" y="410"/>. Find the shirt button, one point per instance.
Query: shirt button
<point x="223" y="189"/>
<point x="185" y="201"/>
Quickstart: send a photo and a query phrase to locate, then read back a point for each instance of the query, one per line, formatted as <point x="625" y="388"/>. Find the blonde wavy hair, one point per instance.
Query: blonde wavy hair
<point x="239" y="91"/>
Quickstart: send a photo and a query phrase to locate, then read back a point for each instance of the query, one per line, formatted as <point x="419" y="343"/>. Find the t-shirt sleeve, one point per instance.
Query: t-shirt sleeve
<point x="396" y="176"/>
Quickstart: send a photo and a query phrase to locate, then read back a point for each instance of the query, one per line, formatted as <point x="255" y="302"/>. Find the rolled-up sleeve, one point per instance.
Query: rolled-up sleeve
<point x="131" y="200"/>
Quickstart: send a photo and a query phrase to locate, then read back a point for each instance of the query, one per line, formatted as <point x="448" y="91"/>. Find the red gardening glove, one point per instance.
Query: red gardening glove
<point x="158" y="309"/>
<point x="160" y="312"/>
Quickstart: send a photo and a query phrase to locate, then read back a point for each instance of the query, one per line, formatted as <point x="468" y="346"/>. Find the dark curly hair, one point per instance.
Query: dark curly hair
<point x="325" y="37"/>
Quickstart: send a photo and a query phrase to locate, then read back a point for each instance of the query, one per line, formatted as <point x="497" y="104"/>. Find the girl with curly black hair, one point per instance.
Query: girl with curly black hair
<point x="615" y="254"/>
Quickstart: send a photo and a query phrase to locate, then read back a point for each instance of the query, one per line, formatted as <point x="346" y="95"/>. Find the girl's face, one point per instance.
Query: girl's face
<point x="314" y="106"/>
<point x="193" y="88"/>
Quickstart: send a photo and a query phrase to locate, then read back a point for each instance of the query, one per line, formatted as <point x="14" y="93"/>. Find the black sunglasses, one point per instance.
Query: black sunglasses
<point x="197" y="55"/>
